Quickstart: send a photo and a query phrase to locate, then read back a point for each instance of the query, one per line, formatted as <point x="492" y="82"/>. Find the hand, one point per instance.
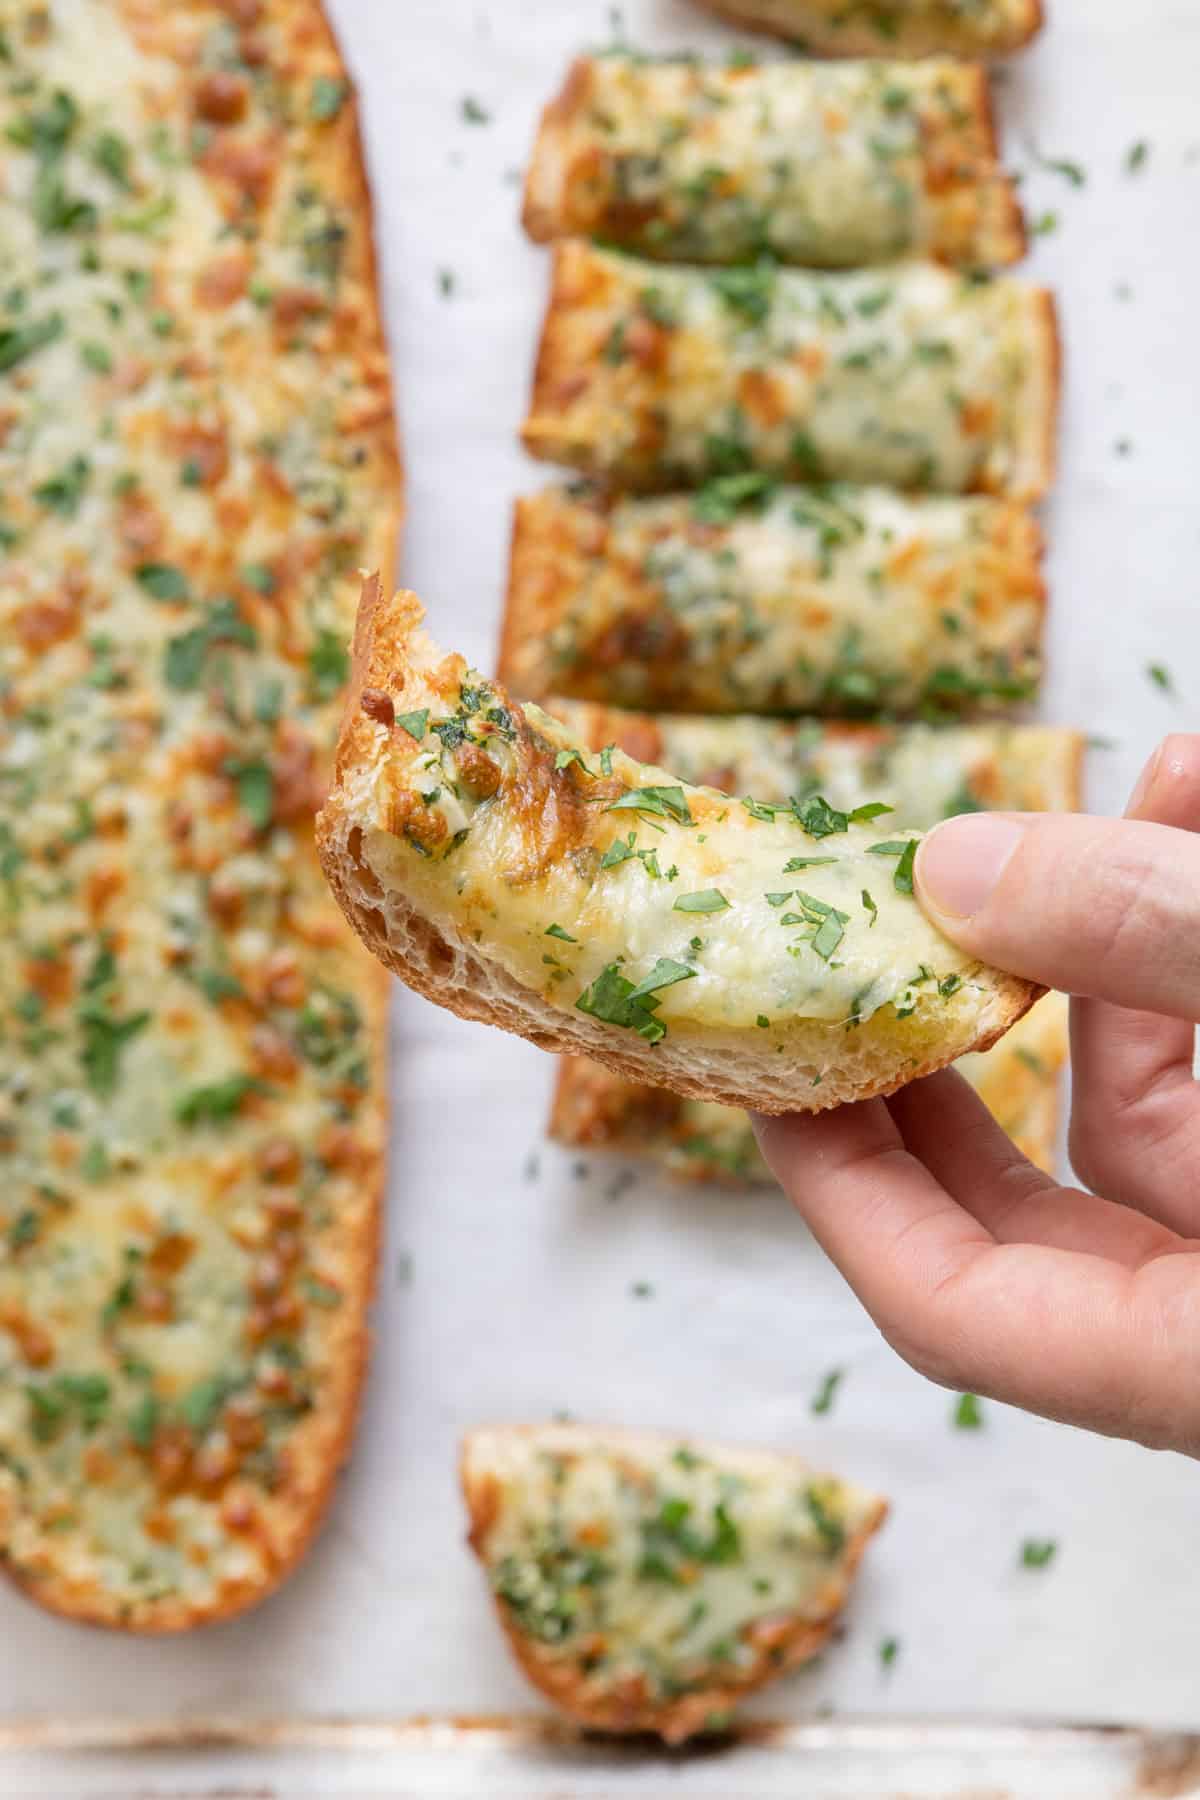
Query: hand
<point x="980" y="1270"/>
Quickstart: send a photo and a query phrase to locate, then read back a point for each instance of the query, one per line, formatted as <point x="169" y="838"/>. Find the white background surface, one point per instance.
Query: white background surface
<point x="502" y="1294"/>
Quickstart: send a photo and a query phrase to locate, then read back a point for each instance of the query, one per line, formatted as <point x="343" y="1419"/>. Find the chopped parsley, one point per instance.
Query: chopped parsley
<point x="905" y="849"/>
<point x="326" y="98"/>
<point x="216" y="1101"/>
<point x="968" y="1414"/>
<point x="1160" y="675"/>
<point x="615" y="1000"/>
<point x="663" y="802"/>
<point x="472" y="112"/>
<point x="870" y="906"/>
<point x="828" y="925"/>
<point x="415" y="723"/>
<point x="1038" y="1553"/>
<point x="163" y="581"/>
<point x="720" y="500"/>
<point x="889" y="1650"/>
<point x="1136" y="157"/>
<point x="556" y="931"/>
<point x="822" y="1400"/>
<point x="708" y="900"/>
<point x="104" y="1039"/>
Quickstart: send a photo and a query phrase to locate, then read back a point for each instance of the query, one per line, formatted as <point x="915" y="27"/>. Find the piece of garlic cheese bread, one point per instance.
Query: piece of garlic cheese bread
<point x="892" y="27"/>
<point x="652" y="376"/>
<point x="196" y="451"/>
<point x="749" y="596"/>
<point x="770" y="956"/>
<point x="829" y="165"/>
<point x="648" y="1582"/>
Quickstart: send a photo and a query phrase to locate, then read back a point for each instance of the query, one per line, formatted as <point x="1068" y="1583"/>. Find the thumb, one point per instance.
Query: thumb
<point x="1104" y="907"/>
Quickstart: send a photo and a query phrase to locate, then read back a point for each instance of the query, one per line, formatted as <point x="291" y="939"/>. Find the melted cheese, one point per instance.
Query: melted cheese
<point x="758" y="599"/>
<point x="765" y="918"/>
<point x="924" y="772"/>
<point x="656" y="1566"/>
<point x="912" y="377"/>
<point x="195" y="451"/>
<point x="836" y="166"/>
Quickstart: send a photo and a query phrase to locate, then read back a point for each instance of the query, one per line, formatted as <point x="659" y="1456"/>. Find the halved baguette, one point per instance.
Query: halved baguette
<point x="892" y="27"/>
<point x="648" y="1582"/>
<point x="653" y="377"/>
<point x="193" y="1061"/>
<point x="599" y="907"/>
<point x="751" y="597"/>
<point x="836" y="165"/>
<point x="696" y="1140"/>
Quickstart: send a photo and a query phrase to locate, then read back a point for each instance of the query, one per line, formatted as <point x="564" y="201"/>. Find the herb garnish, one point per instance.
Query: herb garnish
<point x="708" y="900"/>
<point x="906" y="850"/>
<point x="822" y="1400"/>
<point x="615" y="1000"/>
<point x="968" y="1415"/>
<point x="664" y="802"/>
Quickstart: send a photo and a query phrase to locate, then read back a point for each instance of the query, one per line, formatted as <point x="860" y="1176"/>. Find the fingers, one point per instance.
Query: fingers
<point x="946" y="1126"/>
<point x="1135" y="1119"/>
<point x="1103" y="907"/>
<point x="1067" y="1334"/>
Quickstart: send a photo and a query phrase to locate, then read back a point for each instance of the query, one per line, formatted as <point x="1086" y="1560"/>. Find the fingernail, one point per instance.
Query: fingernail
<point x="1144" y="782"/>
<point x="960" y="862"/>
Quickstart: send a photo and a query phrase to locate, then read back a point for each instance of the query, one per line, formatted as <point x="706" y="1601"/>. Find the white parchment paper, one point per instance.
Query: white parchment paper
<point x="509" y="1269"/>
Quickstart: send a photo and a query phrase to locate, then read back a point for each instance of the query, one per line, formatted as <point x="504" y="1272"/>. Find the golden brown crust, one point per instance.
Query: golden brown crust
<point x="321" y="1443"/>
<point x="796" y="1641"/>
<point x="807" y="26"/>
<point x="461" y="976"/>
<point x="1039" y="452"/>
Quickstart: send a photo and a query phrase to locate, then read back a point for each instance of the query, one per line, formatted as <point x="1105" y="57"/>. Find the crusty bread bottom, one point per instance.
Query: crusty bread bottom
<point x="813" y="1077"/>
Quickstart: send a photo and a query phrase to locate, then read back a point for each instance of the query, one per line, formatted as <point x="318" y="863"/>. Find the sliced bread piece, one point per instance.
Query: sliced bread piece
<point x="768" y="956"/>
<point x="829" y="165"/>
<point x="648" y="1583"/>
<point x="892" y="27"/>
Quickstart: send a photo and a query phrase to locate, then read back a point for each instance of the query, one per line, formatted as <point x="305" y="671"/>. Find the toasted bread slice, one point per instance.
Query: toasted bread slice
<point x="192" y="1070"/>
<point x="654" y="377"/>
<point x="770" y="957"/>
<point x="751" y="597"/>
<point x="892" y="27"/>
<point x="593" y="1109"/>
<point x="649" y="1583"/>
<point x="924" y="772"/>
<point x="835" y="165"/>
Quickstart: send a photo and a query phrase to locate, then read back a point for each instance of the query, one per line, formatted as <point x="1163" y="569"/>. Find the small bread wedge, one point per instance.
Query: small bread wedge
<point x="753" y="597"/>
<point x="892" y="27"/>
<point x="652" y="377"/>
<point x="695" y="1140"/>
<point x="828" y="165"/>
<point x="770" y="957"/>
<point x="648" y="1583"/>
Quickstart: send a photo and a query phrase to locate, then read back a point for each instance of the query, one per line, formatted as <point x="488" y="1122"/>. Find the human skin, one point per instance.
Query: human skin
<point x="981" y="1271"/>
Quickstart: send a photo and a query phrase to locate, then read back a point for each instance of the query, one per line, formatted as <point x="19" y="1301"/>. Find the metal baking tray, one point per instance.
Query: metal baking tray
<point x="420" y="1759"/>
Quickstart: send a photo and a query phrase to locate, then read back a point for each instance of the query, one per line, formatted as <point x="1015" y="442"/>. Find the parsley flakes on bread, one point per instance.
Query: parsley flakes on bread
<point x="648" y="1583"/>
<point x="768" y="956"/>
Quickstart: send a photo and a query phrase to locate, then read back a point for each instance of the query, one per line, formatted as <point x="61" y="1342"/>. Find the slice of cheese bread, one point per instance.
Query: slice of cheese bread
<point x="196" y="451"/>
<point x="770" y="956"/>
<point x="652" y="376"/>
<point x="648" y="1582"/>
<point x="749" y="596"/>
<point x="829" y="165"/>
<point x="892" y="27"/>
